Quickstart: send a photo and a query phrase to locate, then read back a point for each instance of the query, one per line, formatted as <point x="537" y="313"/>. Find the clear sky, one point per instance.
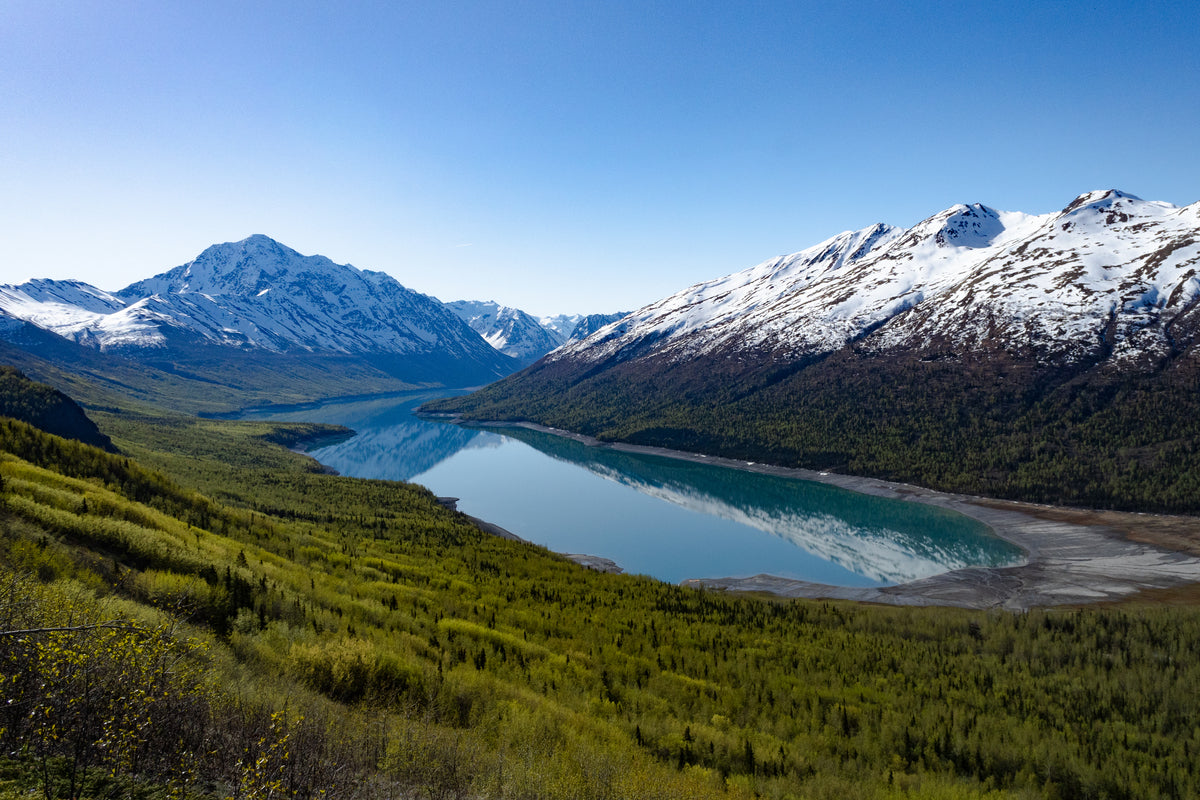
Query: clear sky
<point x="566" y="157"/>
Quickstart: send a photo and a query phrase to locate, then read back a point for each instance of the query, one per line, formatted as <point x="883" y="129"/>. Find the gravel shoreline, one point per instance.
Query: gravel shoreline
<point x="1070" y="558"/>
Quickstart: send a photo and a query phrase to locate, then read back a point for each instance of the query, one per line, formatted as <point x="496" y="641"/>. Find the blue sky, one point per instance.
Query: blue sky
<point x="565" y="157"/>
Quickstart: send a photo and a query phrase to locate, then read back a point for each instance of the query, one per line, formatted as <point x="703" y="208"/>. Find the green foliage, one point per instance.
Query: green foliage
<point x="195" y="379"/>
<point x="318" y="633"/>
<point x="997" y="427"/>
<point x="83" y="695"/>
<point x="46" y="408"/>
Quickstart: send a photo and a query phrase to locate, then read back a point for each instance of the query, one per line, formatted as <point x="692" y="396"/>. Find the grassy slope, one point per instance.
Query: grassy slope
<point x="429" y="657"/>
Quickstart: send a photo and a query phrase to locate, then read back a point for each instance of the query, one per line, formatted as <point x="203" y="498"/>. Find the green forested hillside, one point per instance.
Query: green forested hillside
<point x="994" y="426"/>
<point x="46" y="408"/>
<point x="209" y="614"/>
<point x="201" y="382"/>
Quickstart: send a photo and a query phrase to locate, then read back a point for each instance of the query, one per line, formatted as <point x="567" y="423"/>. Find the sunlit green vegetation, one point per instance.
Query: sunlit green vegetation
<point x="209" y="614"/>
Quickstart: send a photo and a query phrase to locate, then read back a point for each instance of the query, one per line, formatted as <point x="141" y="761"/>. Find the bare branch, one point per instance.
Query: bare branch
<point x="109" y="626"/>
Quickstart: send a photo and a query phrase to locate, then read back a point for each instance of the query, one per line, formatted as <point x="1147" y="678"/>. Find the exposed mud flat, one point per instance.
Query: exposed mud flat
<point x="1073" y="556"/>
<point x="1067" y="564"/>
<point x="595" y="562"/>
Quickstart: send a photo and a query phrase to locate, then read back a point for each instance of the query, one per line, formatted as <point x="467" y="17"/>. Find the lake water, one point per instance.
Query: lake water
<point x="668" y="518"/>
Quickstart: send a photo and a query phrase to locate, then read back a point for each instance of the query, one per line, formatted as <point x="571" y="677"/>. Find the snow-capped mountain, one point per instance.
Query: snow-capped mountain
<point x="509" y="330"/>
<point x="521" y="336"/>
<point x="1050" y="357"/>
<point x="592" y="323"/>
<point x="1106" y="275"/>
<point x="259" y="296"/>
<point x="563" y="325"/>
<point x="71" y="309"/>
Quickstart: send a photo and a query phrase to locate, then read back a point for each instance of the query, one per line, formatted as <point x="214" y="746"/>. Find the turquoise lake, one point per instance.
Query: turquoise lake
<point x="668" y="518"/>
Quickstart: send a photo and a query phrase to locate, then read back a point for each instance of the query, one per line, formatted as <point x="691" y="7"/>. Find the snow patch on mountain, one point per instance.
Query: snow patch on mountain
<point x="75" y="294"/>
<point x="1094" y="278"/>
<point x="1104" y="275"/>
<point x="261" y="295"/>
<point x="705" y="315"/>
<point x="509" y="330"/>
<point x="82" y="313"/>
<point x="592" y="323"/>
<point x="563" y="325"/>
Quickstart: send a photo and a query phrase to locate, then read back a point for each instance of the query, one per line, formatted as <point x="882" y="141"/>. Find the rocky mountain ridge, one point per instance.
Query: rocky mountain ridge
<point x="510" y="330"/>
<point x="522" y="336"/>
<point x="260" y="297"/>
<point x="1110" y="273"/>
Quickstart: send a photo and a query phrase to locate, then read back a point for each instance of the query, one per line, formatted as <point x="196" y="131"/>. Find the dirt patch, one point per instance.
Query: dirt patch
<point x="1178" y="533"/>
<point x="1186" y="595"/>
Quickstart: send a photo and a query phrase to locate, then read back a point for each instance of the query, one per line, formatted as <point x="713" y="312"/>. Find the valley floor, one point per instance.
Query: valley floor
<point x="1073" y="556"/>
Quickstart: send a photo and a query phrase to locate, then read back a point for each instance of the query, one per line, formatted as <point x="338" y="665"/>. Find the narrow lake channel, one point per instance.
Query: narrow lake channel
<point x="668" y="518"/>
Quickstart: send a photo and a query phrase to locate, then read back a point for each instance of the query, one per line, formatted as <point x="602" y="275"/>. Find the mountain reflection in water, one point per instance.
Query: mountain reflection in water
<point x="527" y="481"/>
<point x="389" y="442"/>
<point x="886" y="540"/>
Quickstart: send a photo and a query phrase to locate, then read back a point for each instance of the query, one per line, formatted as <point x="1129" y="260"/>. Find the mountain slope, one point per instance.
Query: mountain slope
<point x="242" y="312"/>
<point x="1046" y="357"/>
<point x="228" y="381"/>
<point x="47" y="409"/>
<point x="563" y="325"/>
<point x="509" y="330"/>
<point x="592" y="323"/>
<point x="297" y="633"/>
<point x="1052" y="279"/>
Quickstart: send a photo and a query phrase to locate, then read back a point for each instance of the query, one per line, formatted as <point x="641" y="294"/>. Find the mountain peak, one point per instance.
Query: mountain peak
<point x="1111" y="207"/>
<point x="243" y="268"/>
<point x="981" y="277"/>
<point x="510" y="330"/>
<point x="973" y="225"/>
<point x="259" y="239"/>
<point x="1101" y="199"/>
<point x="257" y="244"/>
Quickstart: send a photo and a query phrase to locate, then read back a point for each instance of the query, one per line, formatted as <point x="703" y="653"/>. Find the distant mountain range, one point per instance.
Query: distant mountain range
<point x="258" y="317"/>
<point x="255" y="294"/>
<point x="521" y="336"/>
<point x="509" y="330"/>
<point x="980" y="350"/>
<point x="591" y="323"/>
